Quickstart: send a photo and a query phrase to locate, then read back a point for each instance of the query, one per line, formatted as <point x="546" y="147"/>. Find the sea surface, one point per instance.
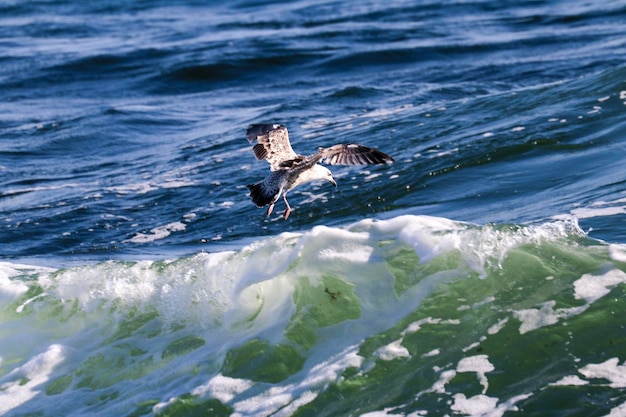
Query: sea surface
<point x="481" y="274"/>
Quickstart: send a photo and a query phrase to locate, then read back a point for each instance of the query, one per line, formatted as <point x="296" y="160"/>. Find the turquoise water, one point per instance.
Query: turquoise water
<point x="481" y="274"/>
<point x="409" y="316"/>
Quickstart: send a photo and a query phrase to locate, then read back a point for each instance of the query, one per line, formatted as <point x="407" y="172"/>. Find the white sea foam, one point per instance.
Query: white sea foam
<point x="478" y="405"/>
<point x="485" y="406"/>
<point x="433" y="352"/>
<point x="372" y="176"/>
<point x="546" y="315"/>
<point x="620" y="410"/>
<point x="315" y="124"/>
<point x="384" y="113"/>
<point x="618" y="252"/>
<point x="590" y="212"/>
<point x="44" y="188"/>
<point x="223" y="388"/>
<point x="350" y="252"/>
<point x="570" y="380"/>
<point x="10" y="289"/>
<point x="589" y="288"/>
<point x="425" y="234"/>
<point x="609" y="370"/>
<point x="178" y="183"/>
<point x="158" y="233"/>
<point x="498" y="326"/>
<point x="479" y="364"/>
<point x="484" y="302"/>
<point x="440" y="385"/>
<point x="26" y="381"/>
<point x="417" y="325"/>
<point x="592" y="287"/>
<point x="393" y="350"/>
<point x="149" y="186"/>
<point x="138" y="188"/>
<point x="601" y="209"/>
<point x="282" y="401"/>
<point x="534" y="318"/>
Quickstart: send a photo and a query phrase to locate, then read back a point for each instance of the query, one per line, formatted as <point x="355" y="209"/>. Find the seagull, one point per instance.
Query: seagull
<point x="288" y="169"/>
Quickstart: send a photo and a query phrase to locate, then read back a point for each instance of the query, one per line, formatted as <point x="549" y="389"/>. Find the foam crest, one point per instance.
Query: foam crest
<point x="429" y="236"/>
<point x="10" y="289"/>
<point x="22" y="384"/>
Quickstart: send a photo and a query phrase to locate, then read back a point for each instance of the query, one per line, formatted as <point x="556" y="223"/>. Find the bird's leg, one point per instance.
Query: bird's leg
<point x="270" y="208"/>
<point x="288" y="210"/>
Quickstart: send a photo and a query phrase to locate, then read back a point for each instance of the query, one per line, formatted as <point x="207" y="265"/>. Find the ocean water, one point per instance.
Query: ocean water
<point x="481" y="274"/>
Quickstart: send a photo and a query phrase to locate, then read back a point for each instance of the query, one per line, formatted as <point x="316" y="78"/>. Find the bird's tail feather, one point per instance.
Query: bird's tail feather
<point x="261" y="196"/>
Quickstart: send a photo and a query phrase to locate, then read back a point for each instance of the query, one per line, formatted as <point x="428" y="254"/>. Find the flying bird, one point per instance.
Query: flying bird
<point x="288" y="169"/>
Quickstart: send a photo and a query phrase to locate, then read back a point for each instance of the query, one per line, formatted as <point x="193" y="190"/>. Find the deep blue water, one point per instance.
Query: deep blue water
<point x="122" y="138"/>
<point x="119" y="118"/>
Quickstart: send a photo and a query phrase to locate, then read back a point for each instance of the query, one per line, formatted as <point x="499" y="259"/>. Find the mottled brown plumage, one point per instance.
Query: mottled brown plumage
<point x="289" y="169"/>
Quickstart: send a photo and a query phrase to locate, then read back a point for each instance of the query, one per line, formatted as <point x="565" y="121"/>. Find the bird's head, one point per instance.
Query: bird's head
<point x="329" y="177"/>
<point x="323" y="173"/>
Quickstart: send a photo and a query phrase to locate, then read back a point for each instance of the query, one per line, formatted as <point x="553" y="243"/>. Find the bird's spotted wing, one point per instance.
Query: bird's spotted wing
<point x="272" y="144"/>
<point x="353" y="154"/>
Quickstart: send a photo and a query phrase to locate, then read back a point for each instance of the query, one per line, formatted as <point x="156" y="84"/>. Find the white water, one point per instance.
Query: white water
<point x="108" y="328"/>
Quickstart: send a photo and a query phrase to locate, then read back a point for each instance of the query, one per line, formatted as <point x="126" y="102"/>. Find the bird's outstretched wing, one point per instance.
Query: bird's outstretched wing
<point x="272" y="144"/>
<point x="353" y="154"/>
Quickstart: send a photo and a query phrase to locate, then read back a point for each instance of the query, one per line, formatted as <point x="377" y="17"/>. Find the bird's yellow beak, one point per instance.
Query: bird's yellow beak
<point x="332" y="181"/>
